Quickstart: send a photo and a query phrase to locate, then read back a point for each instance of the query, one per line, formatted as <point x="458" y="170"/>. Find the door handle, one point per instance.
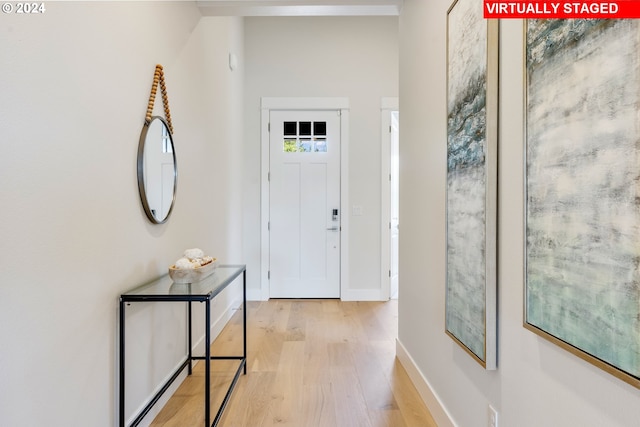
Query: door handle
<point x="333" y="229"/>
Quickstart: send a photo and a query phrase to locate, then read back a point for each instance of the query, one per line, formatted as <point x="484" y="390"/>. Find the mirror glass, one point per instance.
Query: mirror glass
<point x="157" y="170"/>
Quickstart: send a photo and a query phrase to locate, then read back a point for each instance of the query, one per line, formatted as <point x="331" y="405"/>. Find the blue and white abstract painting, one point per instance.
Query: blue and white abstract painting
<point x="583" y="189"/>
<point x="470" y="286"/>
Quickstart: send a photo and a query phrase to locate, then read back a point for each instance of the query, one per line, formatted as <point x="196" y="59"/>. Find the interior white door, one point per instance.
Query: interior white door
<point x="395" y="203"/>
<point x="304" y="206"/>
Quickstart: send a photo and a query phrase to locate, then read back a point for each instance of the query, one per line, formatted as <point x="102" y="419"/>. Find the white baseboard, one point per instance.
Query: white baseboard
<point x="427" y="393"/>
<point x="362" y="295"/>
<point x="255" y="295"/>
<point x="153" y="412"/>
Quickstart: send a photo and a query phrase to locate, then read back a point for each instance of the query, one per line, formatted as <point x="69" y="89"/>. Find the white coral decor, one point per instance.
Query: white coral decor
<point x="193" y="254"/>
<point x="185" y="264"/>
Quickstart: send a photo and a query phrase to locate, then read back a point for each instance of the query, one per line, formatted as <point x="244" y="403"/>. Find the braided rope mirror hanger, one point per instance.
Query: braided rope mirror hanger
<point x="157" y="167"/>
<point x="158" y="77"/>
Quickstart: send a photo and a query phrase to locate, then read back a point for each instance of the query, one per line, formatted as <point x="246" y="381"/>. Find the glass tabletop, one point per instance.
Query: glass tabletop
<point x="163" y="289"/>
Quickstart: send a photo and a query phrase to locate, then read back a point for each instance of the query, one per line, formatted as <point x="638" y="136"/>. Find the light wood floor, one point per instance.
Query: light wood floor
<point x="311" y="363"/>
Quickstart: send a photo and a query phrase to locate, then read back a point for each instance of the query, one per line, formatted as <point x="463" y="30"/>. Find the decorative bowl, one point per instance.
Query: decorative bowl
<point x="192" y="275"/>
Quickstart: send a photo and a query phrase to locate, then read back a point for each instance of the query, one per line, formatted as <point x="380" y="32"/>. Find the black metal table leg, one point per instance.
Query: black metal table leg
<point x="190" y="344"/>
<point x="244" y="319"/>
<point x="122" y="304"/>
<point x="207" y="365"/>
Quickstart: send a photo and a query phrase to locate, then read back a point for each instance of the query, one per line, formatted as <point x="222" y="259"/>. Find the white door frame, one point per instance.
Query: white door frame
<point x="342" y="105"/>
<point x="387" y="105"/>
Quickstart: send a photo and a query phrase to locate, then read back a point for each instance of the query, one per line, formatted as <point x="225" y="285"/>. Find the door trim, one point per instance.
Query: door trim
<point x="387" y="106"/>
<point x="268" y="104"/>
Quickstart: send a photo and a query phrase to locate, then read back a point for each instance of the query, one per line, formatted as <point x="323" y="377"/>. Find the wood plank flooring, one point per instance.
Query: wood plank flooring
<point x="311" y="363"/>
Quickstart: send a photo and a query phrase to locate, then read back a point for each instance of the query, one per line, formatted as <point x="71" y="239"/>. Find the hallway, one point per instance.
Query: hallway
<point x="310" y="363"/>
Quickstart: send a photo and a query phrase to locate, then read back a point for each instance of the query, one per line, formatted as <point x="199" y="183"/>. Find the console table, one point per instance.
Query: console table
<point x="164" y="290"/>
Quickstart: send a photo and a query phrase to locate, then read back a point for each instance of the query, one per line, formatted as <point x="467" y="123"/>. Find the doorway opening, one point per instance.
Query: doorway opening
<point x="390" y="189"/>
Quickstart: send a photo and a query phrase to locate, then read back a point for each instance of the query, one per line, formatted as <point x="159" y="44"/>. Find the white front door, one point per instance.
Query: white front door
<point x="304" y="207"/>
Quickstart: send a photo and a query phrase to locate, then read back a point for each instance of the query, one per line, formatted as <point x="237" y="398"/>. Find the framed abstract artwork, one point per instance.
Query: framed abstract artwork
<point x="471" y="203"/>
<point x="582" y="274"/>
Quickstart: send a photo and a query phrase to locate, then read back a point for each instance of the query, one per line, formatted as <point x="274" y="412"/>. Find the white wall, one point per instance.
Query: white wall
<point x="355" y="58"/>
<point x="74" y="86"/>
<point x="537" y="383"/>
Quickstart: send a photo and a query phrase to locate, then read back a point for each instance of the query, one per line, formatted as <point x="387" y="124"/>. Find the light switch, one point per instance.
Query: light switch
<point x="233" y="61"/>
<point x="356" y="210"/>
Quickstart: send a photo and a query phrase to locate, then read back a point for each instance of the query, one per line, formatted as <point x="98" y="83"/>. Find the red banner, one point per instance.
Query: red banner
<point x="495" y="9"/>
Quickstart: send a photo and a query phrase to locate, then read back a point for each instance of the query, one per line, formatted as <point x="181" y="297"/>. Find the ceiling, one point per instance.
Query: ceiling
<point x="300" y="7"/>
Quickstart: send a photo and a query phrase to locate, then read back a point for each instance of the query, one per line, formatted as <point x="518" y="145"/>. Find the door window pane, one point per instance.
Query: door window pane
<point x="305" y="128"/>
<point x="320" y="145"/>
<point x="290" y="128"/>
<point x="305" y="145"/>
<point x="290" y="145"/>
<point x="319" y="128"/>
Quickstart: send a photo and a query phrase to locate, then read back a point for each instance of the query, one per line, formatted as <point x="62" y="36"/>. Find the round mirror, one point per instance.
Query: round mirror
<point x="157" y="170"/>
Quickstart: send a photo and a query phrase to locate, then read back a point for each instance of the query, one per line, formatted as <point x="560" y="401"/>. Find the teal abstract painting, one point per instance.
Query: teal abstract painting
<point x="471" y="180"/>
<point x="583" y="189"/>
